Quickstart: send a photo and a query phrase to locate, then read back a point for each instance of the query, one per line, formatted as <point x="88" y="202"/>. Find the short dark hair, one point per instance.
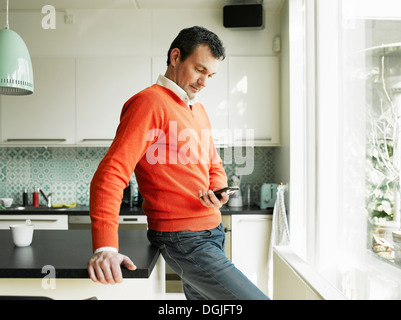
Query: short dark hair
<point x="190" y="38"/>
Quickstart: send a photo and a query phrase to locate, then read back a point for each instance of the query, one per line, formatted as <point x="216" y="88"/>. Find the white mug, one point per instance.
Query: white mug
<point x="22" y="234"/>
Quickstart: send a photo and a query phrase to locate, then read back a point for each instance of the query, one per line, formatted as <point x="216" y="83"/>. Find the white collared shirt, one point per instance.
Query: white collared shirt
<point x="169" y="84"/>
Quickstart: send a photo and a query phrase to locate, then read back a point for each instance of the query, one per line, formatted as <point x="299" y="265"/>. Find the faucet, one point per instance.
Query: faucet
<point x="48" y="198"/>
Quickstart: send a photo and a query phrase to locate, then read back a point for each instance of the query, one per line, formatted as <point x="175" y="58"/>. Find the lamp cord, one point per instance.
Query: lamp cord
<point x="7" y="26"/>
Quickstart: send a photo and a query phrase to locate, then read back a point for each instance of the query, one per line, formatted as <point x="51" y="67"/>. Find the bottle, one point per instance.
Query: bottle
<point x="25" y="198"/>
<point x="36" y="197"/>
<point x="248" y="196"/>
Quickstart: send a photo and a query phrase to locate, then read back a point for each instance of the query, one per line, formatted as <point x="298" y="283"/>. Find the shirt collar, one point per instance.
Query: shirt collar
<point x="169" y="84"/>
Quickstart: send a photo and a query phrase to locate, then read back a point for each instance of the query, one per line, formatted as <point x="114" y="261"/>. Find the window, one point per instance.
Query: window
<point x="351" y="139"/>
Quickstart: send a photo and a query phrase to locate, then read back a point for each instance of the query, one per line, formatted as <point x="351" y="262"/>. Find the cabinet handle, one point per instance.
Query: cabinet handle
<point x="221" y="145"/>
<point x="260" y="139"/>
<point x="44" y="220"/>
<point x="24" y="219"/>
<point x="92" y="140"/>
<point x="254" y="220"/>
<point x="130" y="219"/>
<point x="34" y="140"/>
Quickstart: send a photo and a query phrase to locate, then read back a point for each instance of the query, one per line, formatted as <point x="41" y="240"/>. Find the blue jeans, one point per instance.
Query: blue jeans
<point x="199" y="259"/>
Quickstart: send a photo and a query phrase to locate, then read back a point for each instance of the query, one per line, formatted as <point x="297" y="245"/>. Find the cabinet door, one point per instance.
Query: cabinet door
<point x="254" y="99"/>
<point x="250" y="246"/>
<point x="104" y="84"/>
<point x="214" y="97"/>
<point x="48" y="115"/>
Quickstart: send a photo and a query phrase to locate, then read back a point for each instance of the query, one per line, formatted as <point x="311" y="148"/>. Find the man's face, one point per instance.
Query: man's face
<point x="193" y="73"/>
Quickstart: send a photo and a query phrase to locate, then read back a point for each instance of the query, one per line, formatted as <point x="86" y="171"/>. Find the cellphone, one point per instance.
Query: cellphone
<point x="228" y="190"/>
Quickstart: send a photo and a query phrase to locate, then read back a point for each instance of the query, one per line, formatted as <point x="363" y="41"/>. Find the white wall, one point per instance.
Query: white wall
<point x="134" y="32"/>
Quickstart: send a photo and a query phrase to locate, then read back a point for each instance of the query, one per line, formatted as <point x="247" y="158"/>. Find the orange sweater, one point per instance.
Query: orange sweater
<point x="171" y="150"/>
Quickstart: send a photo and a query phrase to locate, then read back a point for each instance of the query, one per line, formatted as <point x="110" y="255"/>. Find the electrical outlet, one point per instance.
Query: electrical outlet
<point x="69" y="19"/>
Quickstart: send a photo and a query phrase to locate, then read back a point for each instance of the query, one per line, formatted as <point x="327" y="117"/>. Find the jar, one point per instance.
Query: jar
<point x="397" y="246"/>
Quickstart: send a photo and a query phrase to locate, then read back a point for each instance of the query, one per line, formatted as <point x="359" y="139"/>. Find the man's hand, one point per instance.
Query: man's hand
<point x="105" y="267"/>
<point x="209" y="200"/>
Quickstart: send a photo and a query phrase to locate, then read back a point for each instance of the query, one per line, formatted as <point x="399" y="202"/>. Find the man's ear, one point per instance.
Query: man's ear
<point x="175" y="56"/>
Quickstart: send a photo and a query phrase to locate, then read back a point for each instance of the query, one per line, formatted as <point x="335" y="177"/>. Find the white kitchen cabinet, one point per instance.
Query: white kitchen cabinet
<point x="41" y="221"/>
<point x="254" y="101"/>
<point x="79" y="100"/>
<point x="48" y="115"/>
<point x="250" y="238"/>
<point x="103" y="85"/>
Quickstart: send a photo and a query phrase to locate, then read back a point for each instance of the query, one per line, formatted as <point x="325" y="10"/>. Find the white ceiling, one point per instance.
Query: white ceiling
<point x="61" y="5"/>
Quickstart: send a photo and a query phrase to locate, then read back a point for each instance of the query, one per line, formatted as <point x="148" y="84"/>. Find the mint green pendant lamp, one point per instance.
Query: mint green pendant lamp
<point x="16" y="76"/>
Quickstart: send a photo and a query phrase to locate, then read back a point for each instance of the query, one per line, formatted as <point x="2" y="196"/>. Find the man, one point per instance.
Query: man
<point x="164" y="136"/>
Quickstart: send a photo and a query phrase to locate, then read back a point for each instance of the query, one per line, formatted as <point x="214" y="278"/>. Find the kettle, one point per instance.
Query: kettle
<point x="268" y="195"/>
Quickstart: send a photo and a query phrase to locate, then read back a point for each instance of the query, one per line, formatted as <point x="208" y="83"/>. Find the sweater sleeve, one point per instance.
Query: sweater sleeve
<point x="114" y="171"/>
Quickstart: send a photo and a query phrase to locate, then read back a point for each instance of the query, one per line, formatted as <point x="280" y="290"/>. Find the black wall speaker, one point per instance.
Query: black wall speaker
<point x="243" y="16"/>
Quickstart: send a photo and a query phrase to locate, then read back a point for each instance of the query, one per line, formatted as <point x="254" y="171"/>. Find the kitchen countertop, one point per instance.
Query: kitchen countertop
<point x="125" y="210"/>
<point x="226" y="210"/>
<point x="69" y="251"/>
<point x="78" y="210"/>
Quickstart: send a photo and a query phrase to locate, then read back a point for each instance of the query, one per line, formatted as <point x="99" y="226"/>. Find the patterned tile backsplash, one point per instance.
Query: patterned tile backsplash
<point x="66" y="172"/>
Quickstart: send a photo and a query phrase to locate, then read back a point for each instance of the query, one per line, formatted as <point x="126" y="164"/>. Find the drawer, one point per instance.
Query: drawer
<point x="138" y="219"/>
<point x="41" y="222"/>
<point x="133" y="220"/>
<point x="138" y="222"/>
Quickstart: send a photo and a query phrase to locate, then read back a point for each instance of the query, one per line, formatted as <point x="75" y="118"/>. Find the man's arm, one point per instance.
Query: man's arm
<point x="107" y="187"/>
<point x="140" y="114"/>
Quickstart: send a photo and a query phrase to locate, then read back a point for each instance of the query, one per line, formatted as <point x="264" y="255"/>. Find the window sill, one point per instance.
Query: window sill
<point x="294" y="279"/>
